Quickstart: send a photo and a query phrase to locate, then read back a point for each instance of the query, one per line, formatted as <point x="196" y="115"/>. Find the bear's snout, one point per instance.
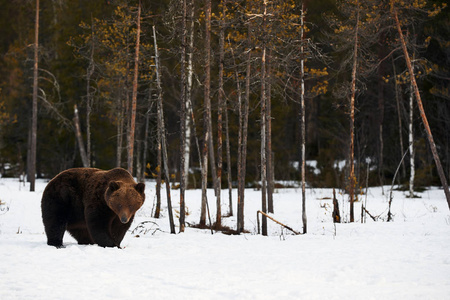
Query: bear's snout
<point x="124" y="218"/>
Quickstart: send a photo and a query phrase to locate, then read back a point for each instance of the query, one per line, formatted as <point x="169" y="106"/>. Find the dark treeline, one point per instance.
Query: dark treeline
<point x="86" y="58"/>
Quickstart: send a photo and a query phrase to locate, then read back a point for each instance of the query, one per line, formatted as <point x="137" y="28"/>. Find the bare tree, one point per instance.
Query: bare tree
<point x="32" y="160"/>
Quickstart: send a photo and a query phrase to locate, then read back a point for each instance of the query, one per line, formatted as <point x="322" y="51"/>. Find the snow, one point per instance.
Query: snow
<point x="405" y="259"/>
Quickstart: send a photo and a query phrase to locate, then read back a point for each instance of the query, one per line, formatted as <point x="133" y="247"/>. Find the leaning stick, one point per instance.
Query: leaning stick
<point x="285" y="226"/>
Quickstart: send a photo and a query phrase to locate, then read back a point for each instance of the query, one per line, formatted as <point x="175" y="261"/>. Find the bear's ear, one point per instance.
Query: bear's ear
<point x="140" y="187"/>
<point x="114" y="186"/>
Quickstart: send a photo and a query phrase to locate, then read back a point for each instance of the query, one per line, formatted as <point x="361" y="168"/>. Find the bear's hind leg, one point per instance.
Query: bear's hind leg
<point x="54" y="218"/>
<point x="55" y="233"/>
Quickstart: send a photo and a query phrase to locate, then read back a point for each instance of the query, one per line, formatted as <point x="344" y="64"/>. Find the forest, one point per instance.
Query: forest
<point x="229" y="93"/>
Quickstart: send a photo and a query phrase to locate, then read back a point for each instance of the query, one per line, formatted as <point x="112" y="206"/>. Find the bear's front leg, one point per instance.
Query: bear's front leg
<point x="98" y="226"/>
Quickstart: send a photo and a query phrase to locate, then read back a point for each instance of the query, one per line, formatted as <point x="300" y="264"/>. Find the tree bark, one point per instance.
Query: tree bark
<point x="134" y="95"/>
<point x="32" y="167"/>
<point x="422" y="111"/>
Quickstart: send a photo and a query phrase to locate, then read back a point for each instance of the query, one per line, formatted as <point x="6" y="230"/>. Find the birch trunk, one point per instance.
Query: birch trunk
<point x="303" y="119"/>
<point x="190" y="72"/>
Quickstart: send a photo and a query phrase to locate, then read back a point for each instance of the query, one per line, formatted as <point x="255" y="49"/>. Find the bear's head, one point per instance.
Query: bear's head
<point x="124" y="198"/>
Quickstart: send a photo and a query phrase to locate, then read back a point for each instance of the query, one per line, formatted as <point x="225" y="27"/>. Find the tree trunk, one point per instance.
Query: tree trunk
<point x="134" y="95"/>
<point x="32" y="167"/>
<point x="422" y="111"/>
<point x="381" y="55"/>
<point x="352" y="121"/>
<point x="158" y="171"/>
<point x="183" y="118"/>
<point x="303" y="118"/>
<point x="228" y="149"/>
<point x="220" y="103"/>
<point x="263" y="128"/>
<point x="240" y="144"/>
<point x="269" y="156"/>
<point x="411" y="139"/>
<point x="207" y="112"/>
<point x="243" y="145"/>
<point x="188" y="103"/>
<point x="162" y="135"/>
<point x="76" y="121"/>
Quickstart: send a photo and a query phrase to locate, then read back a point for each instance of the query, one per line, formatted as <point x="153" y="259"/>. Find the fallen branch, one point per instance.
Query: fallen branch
<point x="285" y="226"/>
<point x="367" y="212"/>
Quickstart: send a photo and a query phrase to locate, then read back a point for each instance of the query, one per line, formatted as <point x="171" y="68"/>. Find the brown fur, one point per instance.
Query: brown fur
<point x="94" y="206"/>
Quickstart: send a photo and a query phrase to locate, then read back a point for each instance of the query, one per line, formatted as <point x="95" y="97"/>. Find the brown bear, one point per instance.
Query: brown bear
<point x="94" y="206"/>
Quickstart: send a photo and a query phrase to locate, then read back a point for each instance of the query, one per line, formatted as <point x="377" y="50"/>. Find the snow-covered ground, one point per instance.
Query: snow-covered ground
<point x="405" y="259"/>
